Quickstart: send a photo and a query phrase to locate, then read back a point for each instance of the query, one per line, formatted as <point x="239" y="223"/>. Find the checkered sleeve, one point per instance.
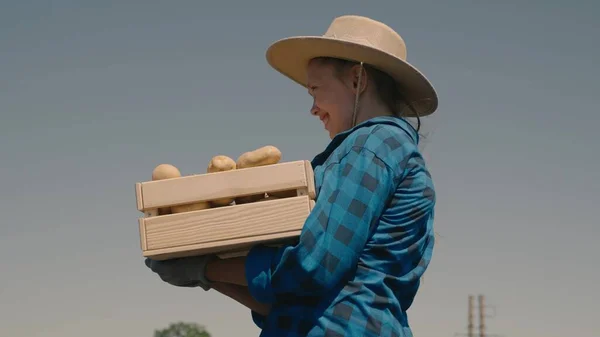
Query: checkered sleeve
<point x="352" y="197"/>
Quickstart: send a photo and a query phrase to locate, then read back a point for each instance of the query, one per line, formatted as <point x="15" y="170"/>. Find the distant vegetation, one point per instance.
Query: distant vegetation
<point x="182" y="329"/>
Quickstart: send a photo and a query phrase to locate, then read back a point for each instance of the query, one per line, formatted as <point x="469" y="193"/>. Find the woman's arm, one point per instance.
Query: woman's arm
<point x="353" y="195"/>
<point x="230" y="270"/>
<point x="242" y="295"/>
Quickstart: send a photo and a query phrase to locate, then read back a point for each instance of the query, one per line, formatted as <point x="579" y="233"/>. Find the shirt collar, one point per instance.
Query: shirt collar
<point x="340" y="137"/>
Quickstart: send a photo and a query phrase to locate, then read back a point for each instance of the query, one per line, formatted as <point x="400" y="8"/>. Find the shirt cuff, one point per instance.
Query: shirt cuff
<point x="258" y="273"/>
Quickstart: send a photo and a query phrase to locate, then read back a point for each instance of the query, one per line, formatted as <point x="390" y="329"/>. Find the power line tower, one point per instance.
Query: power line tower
<point x="482" y="316"/>
<point x="470" y="317"/>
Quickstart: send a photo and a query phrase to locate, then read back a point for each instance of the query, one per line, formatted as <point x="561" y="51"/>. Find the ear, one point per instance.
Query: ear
<point x="364" y="80"/>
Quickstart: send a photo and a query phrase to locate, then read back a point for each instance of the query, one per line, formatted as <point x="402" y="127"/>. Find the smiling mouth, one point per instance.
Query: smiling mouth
<point x="325" y="120"/>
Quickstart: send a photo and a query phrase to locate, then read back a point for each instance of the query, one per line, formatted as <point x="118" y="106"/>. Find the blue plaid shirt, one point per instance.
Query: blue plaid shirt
<point x="363" y="249"/>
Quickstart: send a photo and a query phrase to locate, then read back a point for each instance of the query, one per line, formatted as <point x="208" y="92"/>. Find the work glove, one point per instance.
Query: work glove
<point x="182" y="272"/>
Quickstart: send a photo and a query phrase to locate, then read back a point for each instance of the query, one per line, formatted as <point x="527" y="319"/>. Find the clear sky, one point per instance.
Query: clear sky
<point x="94" y="95"/>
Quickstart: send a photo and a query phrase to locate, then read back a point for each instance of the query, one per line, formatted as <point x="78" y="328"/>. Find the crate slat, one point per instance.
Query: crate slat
<point x="227" y="184"/>
<point x="224" y="229"/>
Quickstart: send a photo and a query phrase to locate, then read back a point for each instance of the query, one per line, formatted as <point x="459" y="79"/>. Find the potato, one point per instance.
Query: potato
<point x="190" y="207"/>
<point x="165" y="171"/>
<point x="221" y="163"/>
<point x="266" y="155"/>
<point x="168" y="171"/>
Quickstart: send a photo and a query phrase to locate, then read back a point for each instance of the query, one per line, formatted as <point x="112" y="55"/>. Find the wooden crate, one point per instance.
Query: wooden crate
<point x="225" y="230"/>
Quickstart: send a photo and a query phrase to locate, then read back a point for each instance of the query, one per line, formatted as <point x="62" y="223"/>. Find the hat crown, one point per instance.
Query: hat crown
<point x="367" y="32"/>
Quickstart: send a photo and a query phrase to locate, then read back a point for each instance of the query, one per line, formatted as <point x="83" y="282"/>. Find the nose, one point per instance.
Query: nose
<point x="314" y="110"/>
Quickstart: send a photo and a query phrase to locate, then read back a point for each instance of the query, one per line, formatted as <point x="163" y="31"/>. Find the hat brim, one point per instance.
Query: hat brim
<point x="290" y="57"/>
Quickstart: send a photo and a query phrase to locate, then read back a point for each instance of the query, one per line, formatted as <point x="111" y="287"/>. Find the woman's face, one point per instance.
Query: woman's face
<point x="333" y="97"/>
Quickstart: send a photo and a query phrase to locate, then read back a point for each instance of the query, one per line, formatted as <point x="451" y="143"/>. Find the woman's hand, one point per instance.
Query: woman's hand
<point x="200" y="271"/>
<point x="182" y="272"/>
<point x="227" y="276"/>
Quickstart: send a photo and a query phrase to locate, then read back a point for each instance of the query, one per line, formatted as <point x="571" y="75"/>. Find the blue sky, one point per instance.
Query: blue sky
<point x="94" y="95"/>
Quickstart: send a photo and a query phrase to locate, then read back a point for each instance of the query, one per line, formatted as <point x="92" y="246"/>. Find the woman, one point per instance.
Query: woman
<point x="356" y="267"/>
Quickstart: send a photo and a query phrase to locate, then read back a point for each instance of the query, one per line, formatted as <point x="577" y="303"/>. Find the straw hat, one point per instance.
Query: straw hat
<point x="358" y="39"/>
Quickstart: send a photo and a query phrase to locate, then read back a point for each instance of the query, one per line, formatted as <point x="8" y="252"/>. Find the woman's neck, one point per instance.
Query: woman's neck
<point x="369" y="108"/>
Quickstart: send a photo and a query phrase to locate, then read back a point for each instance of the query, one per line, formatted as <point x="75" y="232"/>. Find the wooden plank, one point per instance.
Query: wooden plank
<point x="310" y="176"/>
<point x="222" y="249"/>
<point x="223" y="223"/>
<point x="224" y="229"/>
<point x="142" y="234"/>
<point x="138" y="197"/>
<point x="226" y="184"/>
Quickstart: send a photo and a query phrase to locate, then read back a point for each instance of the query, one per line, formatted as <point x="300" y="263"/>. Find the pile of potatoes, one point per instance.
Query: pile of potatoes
<point x="266" y="155"/>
